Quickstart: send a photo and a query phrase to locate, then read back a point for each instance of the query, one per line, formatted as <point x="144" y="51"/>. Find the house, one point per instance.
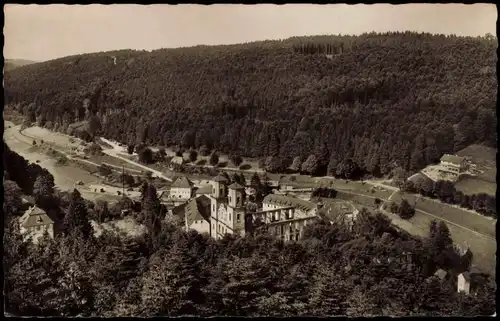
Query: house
<point x="338" y="211"/>
<point x="181" y="189"/>
<point x="441" y="274"/>
<point x="452" y="165"/>
<point x="35" y="222"/>
<point x="176" y="161"/>
<point x="469" y="281"/>
<point x="197" y="214"/>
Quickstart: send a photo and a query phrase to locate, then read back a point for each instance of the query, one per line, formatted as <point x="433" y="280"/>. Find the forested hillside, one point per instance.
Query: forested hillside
<point x="368" y="102"/>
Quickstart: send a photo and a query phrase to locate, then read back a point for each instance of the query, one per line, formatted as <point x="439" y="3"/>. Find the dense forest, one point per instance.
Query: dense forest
<point x="362" y="103"/>
<point x="371" y="269"/>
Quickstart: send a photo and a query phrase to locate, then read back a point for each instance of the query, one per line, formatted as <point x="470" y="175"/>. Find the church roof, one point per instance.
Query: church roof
<point x="236" y="186"/>
<point x="182" y="182"/>
<point x="198" y="209"/>
<point x="35" y="216"/>
<point x="220" y="178"/>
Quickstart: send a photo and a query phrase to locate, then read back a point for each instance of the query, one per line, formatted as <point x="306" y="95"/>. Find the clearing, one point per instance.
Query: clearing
<point x="126" y="226"/>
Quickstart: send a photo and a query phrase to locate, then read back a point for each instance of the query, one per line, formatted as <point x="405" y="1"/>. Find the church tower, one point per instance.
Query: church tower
<point x="236" y="208"/>
<point x="217" y="210"/>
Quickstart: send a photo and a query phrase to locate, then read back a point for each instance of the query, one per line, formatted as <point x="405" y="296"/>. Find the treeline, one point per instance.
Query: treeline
<point x="384" y="100"/>
<point x="446" y="192"/>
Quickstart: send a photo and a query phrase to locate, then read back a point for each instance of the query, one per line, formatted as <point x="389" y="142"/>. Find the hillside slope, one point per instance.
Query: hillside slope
<point x="375" y="101"/>
<point x="10" y="64"/>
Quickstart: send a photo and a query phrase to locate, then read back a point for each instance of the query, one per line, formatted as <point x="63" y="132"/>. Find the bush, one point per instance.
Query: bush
<point x="201" y="162"/>
<point x="222" y="164"/>
<point x="245" y="167"/>
<point x="405" y="210"/>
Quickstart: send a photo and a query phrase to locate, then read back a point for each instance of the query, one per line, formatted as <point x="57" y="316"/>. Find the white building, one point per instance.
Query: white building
<point x="197" y="214"/>
<point x="302" y="207"/>
<point x="34" y="223"/>
<point x="452" y="165"/>
<point x="181" y="190"/>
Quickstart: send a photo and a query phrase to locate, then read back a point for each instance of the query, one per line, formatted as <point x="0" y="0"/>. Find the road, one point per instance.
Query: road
<point x="116" y="150"/>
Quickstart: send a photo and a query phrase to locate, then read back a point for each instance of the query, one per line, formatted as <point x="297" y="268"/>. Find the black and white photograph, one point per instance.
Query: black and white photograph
<point x="232" y="160"/>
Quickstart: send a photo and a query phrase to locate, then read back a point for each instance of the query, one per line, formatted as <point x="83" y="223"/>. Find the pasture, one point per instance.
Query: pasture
<point x="470" y="185"/>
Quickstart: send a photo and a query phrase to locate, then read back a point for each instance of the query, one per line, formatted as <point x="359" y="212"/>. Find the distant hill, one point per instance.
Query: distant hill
<point x="10" y="64"/>
<point x="360" y="104"/>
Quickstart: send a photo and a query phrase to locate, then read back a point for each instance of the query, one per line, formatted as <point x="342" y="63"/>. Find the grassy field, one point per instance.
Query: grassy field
<point x="455" y="215"/>
<point x="470" y="185"/>
<point x="485" y="160"/>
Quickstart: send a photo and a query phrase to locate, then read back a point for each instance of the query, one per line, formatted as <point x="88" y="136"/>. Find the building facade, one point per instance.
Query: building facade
<point x="225" y="213"/>
<point x="34" y="223"/>
<point x="181" y="190"/>
<point x="452" y="165"/>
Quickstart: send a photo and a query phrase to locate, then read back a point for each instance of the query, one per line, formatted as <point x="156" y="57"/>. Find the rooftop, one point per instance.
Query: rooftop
<point x="198" y="209"/>
<point x="35" y="216"/>
<point x="452" y="159"/>
<point x="206" y="189"/>
<point x="182" y="182"/>
<point x="220" y="178"/>
<point x="236" y="186"/>
<point x="441" y="274"/>
<point x="283" y="200"/>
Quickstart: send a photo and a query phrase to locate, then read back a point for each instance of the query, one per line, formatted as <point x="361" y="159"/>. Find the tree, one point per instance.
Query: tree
<point x="102" y="211"/>
<point x="160" y="154"/>
<point x="273" y="164"/>
<point x="12" y="200"/>
<point x="405" y="210"/>
<point x="130" y="149"/>
<point x="146" y="156"/>
<point x="94" y="149"/>
<point x="105" y="170"/>
<point x="214" y="159"/>
<point x="76" y="218"/>
<point x="296" y="164"/>
<point x="193" y="155"/>
<point x="43" y="189"/>
<point x="310" y="166"/>
<point x="399" y="176"/>
<point x="128" y="179"/>
<point x="236" y="159"/>
<point x="204" y="151"/>
<point x="93" y="125"/>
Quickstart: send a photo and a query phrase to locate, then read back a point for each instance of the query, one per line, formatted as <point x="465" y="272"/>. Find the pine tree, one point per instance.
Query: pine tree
<point x="77" y="216"/>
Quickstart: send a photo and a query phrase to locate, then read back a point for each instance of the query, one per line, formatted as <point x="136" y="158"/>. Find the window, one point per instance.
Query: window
<point x="238" y="218"/>
<point x="213" y="208"/>
<point x="238" y="200"/>
<point x="229" y="218"/>
<point x="38" y="228"/>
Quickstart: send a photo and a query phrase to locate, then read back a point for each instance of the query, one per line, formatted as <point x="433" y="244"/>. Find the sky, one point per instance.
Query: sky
<point x="44" y="32"/>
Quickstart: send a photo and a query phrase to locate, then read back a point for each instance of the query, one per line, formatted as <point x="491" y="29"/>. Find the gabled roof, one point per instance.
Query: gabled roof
<point x="283" y="200"/>
<point x="182" y="182"/>
<point x="198" y="209"/>
<point x="220" y="178"/>
<point x="236" y="186"/>
<point x="441" y="274"/>
<point x="452" y="159"/>
<point x="206" y="189"/>
<point x="35" y="216"/>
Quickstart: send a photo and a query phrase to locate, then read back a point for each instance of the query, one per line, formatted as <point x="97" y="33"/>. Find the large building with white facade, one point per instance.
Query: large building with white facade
<point x="452" y="166"/>
<point x="223" y="211"/>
